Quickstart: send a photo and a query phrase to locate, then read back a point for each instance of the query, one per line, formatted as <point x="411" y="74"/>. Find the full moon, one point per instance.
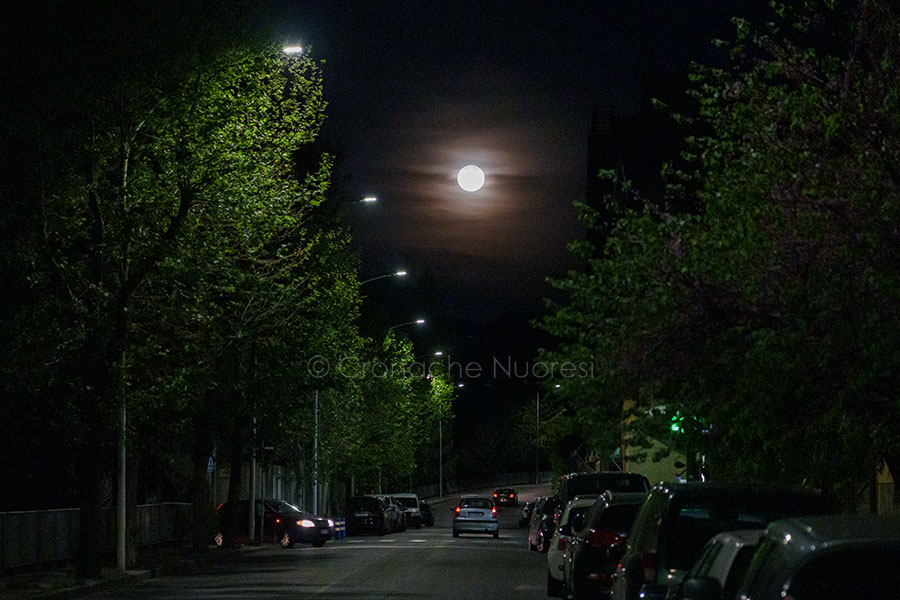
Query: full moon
<point x="470" y="178"/>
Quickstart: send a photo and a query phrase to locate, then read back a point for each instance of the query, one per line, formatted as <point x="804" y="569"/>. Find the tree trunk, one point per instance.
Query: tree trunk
<point x="91" y="529"/>
<point x="234" y="494"/>
<point x="131" y="516"/>
<point x="200" y="491"/>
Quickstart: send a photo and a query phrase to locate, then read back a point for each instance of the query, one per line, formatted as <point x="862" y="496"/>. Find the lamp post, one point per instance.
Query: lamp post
<point x="396" y="274"/>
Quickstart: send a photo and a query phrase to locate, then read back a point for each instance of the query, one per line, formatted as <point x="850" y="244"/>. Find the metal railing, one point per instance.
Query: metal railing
<point x="34" y="537"/>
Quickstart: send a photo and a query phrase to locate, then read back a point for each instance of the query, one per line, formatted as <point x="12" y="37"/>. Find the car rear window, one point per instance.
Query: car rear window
<point x="617" y="518"/>
<point x="367" y="504"/>
<point x="475" y="503"/>
<point x="406" y="502"/>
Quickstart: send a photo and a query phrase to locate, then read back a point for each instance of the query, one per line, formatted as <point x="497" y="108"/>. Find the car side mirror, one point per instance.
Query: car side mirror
<point x="701" y="588"/>
<point x="653" y="591"/>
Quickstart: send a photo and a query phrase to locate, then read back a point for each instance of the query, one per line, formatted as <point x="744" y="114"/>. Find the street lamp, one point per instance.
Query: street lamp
<point x="397" y="274"/>
<point x="292" y="49"/>
<point x="416" y="322"/>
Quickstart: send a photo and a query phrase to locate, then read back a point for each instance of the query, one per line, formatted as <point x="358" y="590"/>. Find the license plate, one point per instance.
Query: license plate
<point x="325" y="531"/>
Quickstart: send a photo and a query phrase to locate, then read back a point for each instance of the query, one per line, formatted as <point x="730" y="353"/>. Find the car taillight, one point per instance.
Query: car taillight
<point x="600" y="538"/>
<point x="512" y="496"/>
<point x="457" y="510"/>
<point x="495" y="495"/>
<point x="561" y="543"/>
<point x="278" y="520"/>
<point x="648" y="561"/>
<point x="494" y="512"/>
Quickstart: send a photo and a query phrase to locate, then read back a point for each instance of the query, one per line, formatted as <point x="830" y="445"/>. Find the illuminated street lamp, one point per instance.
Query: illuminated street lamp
<point x="416" y="322"/>
<point x="397" y="274"/>
<point x="292" y="49"/>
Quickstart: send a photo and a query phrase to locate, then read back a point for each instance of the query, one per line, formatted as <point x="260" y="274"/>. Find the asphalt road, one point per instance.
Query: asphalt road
<point x="418" y="563"/>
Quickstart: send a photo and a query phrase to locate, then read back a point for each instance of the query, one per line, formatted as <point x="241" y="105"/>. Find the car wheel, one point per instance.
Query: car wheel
<point x="531" y="546"/>
<point x="286" y="540"/>
<point x="554" y="587"/>
<point x="318" y="543"/>
<point x="455" y="533"/>
<point x="542" y="545"/>
<point x="219" y="540"/>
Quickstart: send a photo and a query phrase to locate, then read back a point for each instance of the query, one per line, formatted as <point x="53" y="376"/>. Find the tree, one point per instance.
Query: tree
<point x="769" y="318"/>
<point x="157" y="167"/>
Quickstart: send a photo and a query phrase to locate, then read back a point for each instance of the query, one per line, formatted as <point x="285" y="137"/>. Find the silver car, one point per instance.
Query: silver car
<point x="475" y="514"/>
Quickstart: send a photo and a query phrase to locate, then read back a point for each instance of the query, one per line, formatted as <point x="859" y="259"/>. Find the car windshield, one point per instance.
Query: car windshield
<point x="363" y="504"/>
<point x="616" y="518"/>
<point x="598" y="485"/>
<point x="280" y="506"/>
<point x="696" y="520"/>
<point x="406" y="502"/>
<point x="475" y="503"/>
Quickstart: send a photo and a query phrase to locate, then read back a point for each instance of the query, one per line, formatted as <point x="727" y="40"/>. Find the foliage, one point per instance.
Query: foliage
<point x="772" y="315"/>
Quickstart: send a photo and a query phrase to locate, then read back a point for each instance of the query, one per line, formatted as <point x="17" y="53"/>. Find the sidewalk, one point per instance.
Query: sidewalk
<point x="63" y="582"/>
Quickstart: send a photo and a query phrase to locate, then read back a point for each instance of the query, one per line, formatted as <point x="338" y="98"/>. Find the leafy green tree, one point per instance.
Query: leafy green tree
<point x="154" y="163"/>
<point x="768" y="320"/>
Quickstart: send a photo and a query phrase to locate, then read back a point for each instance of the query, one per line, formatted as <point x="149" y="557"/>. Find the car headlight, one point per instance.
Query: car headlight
<point x="330" y="523"/>
<point x="306" y="523"/>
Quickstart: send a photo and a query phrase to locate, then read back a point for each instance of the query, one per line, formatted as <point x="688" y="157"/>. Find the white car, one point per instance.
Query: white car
<point x="570" y="523"/>
<point x="410" y="505"/>
<point x="475" y="514"/>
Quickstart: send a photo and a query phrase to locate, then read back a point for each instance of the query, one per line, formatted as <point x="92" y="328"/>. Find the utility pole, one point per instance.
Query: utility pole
<point x="316" y="460"/>
<point x="251" y="526"/>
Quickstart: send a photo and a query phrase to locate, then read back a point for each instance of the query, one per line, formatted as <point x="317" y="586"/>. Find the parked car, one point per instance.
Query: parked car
<point x="410" y="504"/>
<point x="506" y="497"/>
<point x="677" y="520"/>
<point x="572" y="520"/>
<point x="367" y="514"/>
<point x="283" y="523"/>
<point x="475" y="514"/>
<point x="543" y="523"/>
<point x="525" y="517"/>
<point x="593" y="552"/>
<point x="821" y="558"/>
<point x="723" y="562"/>
<point x="394" y="512"/>
<point x="427" y="514"/>
<point x="616" y="482"/>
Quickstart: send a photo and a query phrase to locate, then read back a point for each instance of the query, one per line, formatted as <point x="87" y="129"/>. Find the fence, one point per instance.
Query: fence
<point x="35" y="537"/>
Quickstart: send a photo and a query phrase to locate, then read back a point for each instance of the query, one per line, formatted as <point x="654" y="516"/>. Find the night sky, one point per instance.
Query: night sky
<point x="418" y="90"/>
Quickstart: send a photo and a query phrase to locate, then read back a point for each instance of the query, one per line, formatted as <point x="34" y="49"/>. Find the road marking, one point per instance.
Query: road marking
<point x="417" y="541"/>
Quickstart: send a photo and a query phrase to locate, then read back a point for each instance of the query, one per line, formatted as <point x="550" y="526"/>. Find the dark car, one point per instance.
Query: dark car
<point x="506" y="497"/>
<point x="677" y="520"/>
<point x="592" y="554"/>
<point x="543" y="523"/>
<point x="427" y="513"/>
<point x="367" y="514"/>
<point x="283" y="523"/>
<point x="820" y="558"/>
<point x="616" y="482"/>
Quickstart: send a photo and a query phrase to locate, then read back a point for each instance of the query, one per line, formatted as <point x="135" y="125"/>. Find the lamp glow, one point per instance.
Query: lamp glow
<point x="292" y="49"/>
<point x="369" y="199"/>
